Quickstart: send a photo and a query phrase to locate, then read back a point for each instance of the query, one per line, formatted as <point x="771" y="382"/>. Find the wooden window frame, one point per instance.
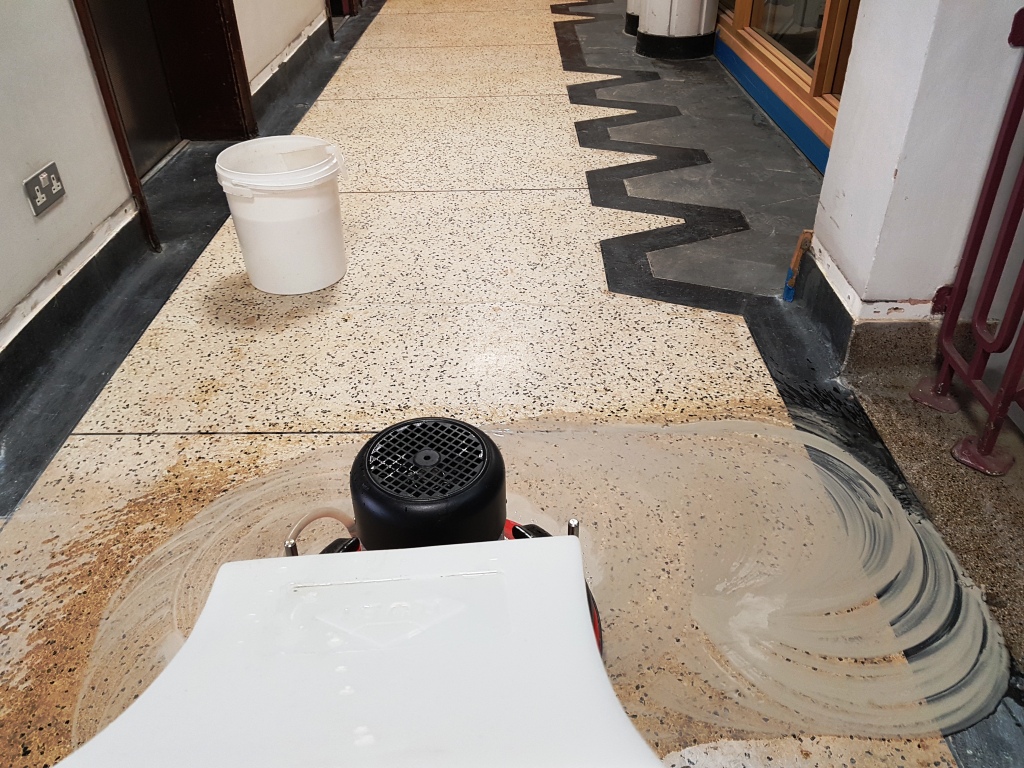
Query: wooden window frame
<point x="804" y="93"/>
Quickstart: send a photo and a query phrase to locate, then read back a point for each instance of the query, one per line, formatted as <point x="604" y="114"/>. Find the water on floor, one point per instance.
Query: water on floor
<point x="762" y="590"/>
<point x="792" y="593"/>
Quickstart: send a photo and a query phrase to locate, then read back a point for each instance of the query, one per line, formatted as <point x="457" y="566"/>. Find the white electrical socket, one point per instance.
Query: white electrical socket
<point x="44" y="189"/>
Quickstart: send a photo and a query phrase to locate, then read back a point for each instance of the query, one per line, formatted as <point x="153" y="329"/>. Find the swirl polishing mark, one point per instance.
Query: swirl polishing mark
<point x="752" y="578"/>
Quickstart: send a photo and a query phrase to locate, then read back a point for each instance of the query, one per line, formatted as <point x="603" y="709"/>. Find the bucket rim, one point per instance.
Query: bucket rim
<point x="269" y="181"/>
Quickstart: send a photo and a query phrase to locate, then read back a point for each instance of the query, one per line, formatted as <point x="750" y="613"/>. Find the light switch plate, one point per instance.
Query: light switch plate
<point x="44" y="189"/>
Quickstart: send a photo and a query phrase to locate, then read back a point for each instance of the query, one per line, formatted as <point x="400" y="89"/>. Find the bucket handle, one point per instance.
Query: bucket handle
<point x="231" y="189"/>
<point x="342" y="168"/>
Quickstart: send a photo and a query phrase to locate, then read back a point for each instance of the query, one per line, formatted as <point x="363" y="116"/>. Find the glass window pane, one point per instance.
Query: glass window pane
<point x="794" y="25"/>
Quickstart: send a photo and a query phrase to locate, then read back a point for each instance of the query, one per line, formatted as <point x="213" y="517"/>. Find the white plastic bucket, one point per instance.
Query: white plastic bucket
<point x="283" y="195"/>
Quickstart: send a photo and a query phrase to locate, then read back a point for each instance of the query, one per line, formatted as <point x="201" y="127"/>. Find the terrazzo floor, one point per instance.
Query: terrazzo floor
<point x="475" y="290"/>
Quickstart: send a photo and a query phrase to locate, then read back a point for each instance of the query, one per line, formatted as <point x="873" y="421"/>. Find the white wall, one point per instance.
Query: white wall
<point x="50" y="110"/>
<point x="268" y="27"/>
<point x="925" y="90"/>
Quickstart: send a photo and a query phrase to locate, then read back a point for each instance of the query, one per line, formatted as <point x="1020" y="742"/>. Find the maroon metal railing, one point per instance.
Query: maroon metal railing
<point x="982" y="453"/>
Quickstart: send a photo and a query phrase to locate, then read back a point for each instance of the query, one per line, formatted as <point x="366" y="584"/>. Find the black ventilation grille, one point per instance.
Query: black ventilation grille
<point x="429" y="459"/>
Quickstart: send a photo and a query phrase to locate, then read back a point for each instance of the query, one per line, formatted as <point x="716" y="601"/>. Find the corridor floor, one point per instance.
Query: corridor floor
<point x="476" y="289"/>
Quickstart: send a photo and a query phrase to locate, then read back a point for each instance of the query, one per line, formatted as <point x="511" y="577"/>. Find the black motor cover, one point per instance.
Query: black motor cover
<point x="426" y="482"/>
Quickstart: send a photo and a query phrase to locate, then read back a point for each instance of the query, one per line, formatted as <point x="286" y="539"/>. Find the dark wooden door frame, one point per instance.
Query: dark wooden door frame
<point x="99" y="67"/>
<point x="203" y="61"/>
<point x="330" y="19"/>
<point x="341" y="8"/>
<point x="221" y="109"/>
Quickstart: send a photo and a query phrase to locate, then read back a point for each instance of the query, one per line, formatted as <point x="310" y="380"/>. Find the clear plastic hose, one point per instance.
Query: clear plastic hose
<point x="343" y="516"/>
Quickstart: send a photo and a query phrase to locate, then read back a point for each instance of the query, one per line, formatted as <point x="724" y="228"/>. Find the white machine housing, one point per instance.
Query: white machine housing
<point x="464" y="655"/>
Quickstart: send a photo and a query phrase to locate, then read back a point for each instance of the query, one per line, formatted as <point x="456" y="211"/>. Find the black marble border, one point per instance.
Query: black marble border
<point x="625" y="258"/>
<point x="54" y="369"/>
<point x="798" y="349"/>
<point x="802" y="343"/>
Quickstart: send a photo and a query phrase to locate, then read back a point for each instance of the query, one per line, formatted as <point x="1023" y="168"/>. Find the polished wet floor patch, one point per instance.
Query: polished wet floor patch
<point x="753" y="580"/>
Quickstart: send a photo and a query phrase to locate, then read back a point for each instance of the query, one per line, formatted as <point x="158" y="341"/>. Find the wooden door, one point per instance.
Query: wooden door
<point x="131" y="56"/>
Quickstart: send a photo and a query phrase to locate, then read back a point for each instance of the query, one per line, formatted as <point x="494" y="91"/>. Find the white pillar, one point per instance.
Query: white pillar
<point x="924" y="94"/>
<point x="677" y="29"/>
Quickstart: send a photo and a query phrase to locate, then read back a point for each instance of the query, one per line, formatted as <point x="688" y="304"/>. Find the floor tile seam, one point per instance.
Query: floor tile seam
<point x="529" y="424"/>
<point x="506" y="11"/>
<point x="226" y="433"/>
<point x="587" y="298"/>
<point x="560" y="96"/>
<point x="538" y="11"/>
<point x="582" y="188"/>
<point x="731" y="406"/>
<point x="444" y="191"/>
<point x="442" y="47"/>
<point x="442" y="98"/>
<point x="477" y="46"/>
